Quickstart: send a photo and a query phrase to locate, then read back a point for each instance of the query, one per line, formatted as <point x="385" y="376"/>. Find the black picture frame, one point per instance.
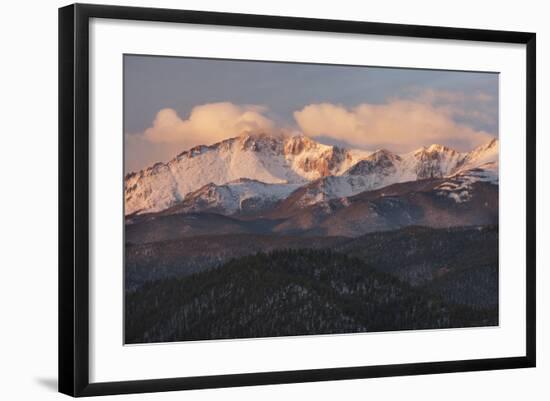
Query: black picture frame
<point x="74" y="198"/>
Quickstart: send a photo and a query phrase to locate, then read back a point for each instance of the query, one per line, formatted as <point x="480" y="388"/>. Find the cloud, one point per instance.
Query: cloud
<point x="400" y="125"/>
<point x="475" y="108"/>
<point x="207" y="124"/>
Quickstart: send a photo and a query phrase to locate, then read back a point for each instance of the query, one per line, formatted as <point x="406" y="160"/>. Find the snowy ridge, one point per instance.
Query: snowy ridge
<point x="383" y="168"/>
<point x="250" y="172"/>
<point x="272" y="160"/>
<point x="480" y="165"/>
<point x="239" y="196"/>
<point x="459" y="186"/>
<point x="483" y="155"/>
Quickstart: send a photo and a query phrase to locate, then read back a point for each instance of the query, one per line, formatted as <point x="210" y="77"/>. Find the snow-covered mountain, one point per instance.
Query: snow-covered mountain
<point x="268" y="159"/>
<point x="459" y="185"/>
<point x="383" y="168"/>
<point x="240" y="196"/>
<point x="252" y="172"/>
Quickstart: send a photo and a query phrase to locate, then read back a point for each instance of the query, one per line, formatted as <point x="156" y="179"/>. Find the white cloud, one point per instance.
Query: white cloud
<point x="207" y="124"/>
<point x="399" y="125"/>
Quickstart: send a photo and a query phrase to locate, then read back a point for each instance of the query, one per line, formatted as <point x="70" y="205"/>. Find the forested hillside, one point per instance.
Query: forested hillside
<point x="285" y="293"/>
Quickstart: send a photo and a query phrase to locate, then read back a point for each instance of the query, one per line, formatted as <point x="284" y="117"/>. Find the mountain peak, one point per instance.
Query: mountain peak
<point x="383" y="154"/>
<point x="297" y="144"/>
<point x="491" y="144"/>
<point x="261" y="162"/>
<point x="381" y="162"/>
<point x="434" y="147"/>
<point x="259" y="142"/>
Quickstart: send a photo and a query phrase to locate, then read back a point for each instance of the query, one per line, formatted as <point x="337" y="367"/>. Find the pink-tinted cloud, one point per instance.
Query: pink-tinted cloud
<point x="207" y="124"/>
<point x="400" y="125"/>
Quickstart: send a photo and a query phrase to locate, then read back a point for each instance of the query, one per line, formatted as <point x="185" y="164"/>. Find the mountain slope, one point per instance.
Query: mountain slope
<point x="287" y="293"/>
<point x="271" y="160"/>
<point x="426" y="253"/>
<point x="383" y="168"/>
<point x="240" y="196"/>
<point x="153" y="261"/>
<point x="248" y="174"/>
<point x="443" y="202"/>
<point x="439" y="203"/>
<point x="154" y="228"/>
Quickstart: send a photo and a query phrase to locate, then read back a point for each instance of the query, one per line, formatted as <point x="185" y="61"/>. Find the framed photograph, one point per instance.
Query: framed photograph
<point x="250" y="199"/>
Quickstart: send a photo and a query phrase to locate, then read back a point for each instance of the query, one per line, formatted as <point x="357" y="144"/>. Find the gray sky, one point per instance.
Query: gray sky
<point x="280" y="93"/>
